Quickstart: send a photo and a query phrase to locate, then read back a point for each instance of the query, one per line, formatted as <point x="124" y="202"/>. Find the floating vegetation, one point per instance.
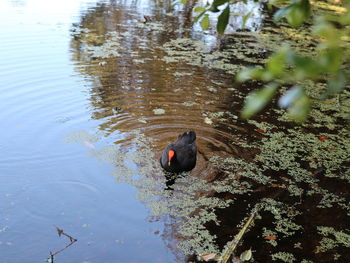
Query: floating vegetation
<point x="196" y="53"/>
<point x="107" y="49"/>
<point x="334" y="238"/>
<point x="299" y="176"/>
<point x="189" y="103"/>
<point x="284" y="256"/>
<point x="159" y="111"/>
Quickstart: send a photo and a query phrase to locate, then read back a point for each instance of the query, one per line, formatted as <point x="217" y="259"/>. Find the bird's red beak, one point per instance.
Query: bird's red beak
<point x="171" y="154"/>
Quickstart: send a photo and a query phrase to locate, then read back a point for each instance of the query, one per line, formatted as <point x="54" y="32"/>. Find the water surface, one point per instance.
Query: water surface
<point x="91" y="93"/>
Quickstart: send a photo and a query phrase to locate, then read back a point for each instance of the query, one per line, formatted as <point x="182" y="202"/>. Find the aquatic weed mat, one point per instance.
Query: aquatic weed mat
<point x="299" y="175"/>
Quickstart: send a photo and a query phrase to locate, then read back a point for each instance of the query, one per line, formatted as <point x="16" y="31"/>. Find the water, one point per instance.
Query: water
<point x="49" y="95"/>
<point x="91" y="94"/>
<point x="45" y="181"/>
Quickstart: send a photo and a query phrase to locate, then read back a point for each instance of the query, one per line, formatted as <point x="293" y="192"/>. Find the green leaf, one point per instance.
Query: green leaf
<point x="337" y="83"/>
<point x="305" y="67"/>
<point x="199" y="16"/>
<point x="205" y="22"/>
<point x="274" y="2"/>
<point x="297" y="102"/>
<point x="199" y="9"/>
<point x="295" y="16"/>
<point x="214" y="9"/>
<point x="245" y="19"/>
<point x="249" y="73"/>
<point x="299" y="13"/>
<point x="325" y="30"/>
<point x="219" y="2"/>
<point x="267" y="76"/>
<point x="276" y="63"/>
<point x="214" y="6"/>
<point x="331" y="59"/>
<point x="257" y="100"/>
<point x="290" y="96"/>
<point x="300" y="109"/>
<point x="223" y="20"/>
<point x="345" y="19"/>
<point x="295" y="13"/>
<point x="305" y="7"/>
<point x="246" y="255"/>
<point x="280" y="14"/>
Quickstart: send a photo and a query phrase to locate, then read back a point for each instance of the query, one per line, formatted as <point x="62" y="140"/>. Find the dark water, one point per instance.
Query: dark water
<point x="91" y="94"/>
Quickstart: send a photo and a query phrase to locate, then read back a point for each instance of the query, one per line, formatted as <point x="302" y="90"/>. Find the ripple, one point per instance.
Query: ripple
<point x="61" y="193"/>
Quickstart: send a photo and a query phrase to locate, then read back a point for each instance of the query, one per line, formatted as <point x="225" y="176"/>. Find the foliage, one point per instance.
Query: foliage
<point x="287" y="68"/>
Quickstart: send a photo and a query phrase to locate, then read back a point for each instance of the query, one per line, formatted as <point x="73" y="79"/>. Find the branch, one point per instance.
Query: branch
<point x="72" y="241"/>
<point x="233" y="244"/>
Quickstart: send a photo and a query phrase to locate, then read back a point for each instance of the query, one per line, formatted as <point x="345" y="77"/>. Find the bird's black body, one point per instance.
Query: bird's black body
<point x="185" y="156"/>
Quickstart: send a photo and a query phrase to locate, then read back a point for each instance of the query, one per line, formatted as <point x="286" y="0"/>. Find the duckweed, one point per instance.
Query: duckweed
<point x="284" y="256"/>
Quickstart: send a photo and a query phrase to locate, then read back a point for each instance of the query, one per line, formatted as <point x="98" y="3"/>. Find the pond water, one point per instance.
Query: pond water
<point x="92" y="91"/>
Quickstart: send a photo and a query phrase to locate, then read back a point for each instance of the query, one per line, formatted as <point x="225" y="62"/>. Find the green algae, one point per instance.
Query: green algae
<point x="283" y="256"/>
<point x="242" y="168"/>
<point x="283" y="217"/>
<point x="325" y="245"/>
<point x="195" y="53"/>
<point x="222" y="116"/>
<point x="328" y="199"/>
<point x="282" y="151"/>
<point x="340" y="237"/>
<point x="298" y="245"/>
<point x="269" y="233"/>
<point x="266" y="127"/>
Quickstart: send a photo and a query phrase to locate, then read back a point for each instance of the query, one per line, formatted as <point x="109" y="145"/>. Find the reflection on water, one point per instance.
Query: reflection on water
<point x="246" y="15"/>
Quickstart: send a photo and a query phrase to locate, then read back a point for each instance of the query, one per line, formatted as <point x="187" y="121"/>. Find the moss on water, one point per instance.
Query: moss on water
<point x="158" y="111"/>
<point x="283" y="218"/>
<point x="284" y="256"/>
<point x="340" y="237"/>
<point x="195" y="53"/>
<point x="189" y="103"/>
<point x="270" y="233"/>
<point x="325" y="245"/>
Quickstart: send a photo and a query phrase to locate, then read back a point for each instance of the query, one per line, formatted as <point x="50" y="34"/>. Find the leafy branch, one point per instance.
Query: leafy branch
<point x="288" y="68"/>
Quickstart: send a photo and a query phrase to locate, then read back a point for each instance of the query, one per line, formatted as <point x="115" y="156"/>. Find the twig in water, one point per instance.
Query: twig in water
<point x="230" y="248"/>
<point x="72" y="241"/>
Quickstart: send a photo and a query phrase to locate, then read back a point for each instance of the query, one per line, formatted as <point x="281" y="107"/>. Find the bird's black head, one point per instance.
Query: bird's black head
<point x="188" y="137"/>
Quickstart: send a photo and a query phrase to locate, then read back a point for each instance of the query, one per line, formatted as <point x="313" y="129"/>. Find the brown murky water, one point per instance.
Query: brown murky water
<point x="91" y="90"/>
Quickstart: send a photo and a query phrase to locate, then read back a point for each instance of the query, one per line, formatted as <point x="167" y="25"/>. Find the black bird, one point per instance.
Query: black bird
<point x="180" y="156"/>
